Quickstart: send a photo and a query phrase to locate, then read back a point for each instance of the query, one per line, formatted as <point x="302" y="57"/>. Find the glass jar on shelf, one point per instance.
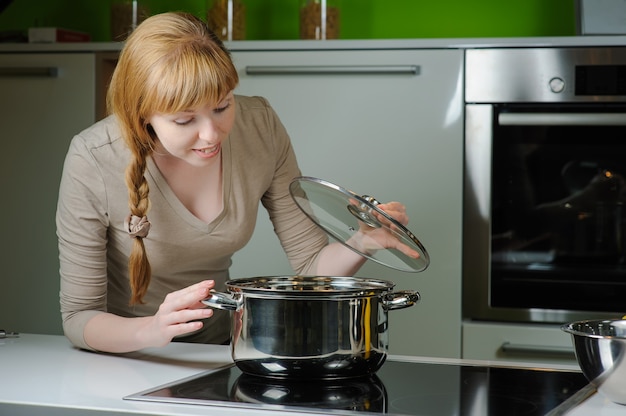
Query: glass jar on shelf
<point x="125" y="16"/>
<point x="319" y="19"/>
<point x="227" y="18"/>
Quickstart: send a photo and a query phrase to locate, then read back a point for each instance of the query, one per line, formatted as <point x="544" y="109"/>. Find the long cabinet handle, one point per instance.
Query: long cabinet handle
<point x="334" y="70"/>
<point x="37" y="71"/>
<point x="562" y="119"/>
<point x="511" y="348"/>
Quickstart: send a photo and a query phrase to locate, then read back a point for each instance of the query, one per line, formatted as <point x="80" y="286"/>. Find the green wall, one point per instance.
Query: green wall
<point x="361" y="19"/>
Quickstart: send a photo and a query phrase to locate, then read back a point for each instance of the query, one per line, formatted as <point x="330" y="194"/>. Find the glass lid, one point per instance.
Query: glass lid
<point x="357" y="222"/>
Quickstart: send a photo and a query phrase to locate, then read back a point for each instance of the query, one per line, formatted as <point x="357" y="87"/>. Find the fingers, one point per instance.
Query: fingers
<point x="182" y="306"/>
<point x="187" y="315"/>
<point x="180" y="313"/>
<point x="183" y="329"/>
<point x="396" y="210"/>
<point x="408" y="251"/>
<point x="188" y="297"/>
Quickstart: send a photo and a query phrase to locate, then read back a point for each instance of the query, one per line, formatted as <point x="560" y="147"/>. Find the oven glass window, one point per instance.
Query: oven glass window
<point x="559" y="211"/>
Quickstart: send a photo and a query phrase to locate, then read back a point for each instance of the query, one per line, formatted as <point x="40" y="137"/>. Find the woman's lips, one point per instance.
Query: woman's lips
<point x="208" y="152"/>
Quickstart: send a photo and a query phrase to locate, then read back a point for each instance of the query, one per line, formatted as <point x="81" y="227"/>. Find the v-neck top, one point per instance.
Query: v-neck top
<point x="258" y="164"/>
<point x="175" y="203"/>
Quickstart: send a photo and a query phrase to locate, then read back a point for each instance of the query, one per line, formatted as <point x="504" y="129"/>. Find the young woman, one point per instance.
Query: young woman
<point x="155" y="199"/>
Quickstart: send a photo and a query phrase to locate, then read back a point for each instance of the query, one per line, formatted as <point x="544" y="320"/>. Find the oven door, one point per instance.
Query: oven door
<point x="545" y="212"/>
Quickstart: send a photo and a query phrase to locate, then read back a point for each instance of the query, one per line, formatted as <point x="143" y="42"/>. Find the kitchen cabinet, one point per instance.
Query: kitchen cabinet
<point x="520" y="342"/>
<point x="45" y="99"/>
<point x="386" y="123"/>
<point x="379" y="120"/>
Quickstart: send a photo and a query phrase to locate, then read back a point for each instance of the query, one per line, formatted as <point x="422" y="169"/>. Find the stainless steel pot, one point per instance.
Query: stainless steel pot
<point x="310" y="327"/>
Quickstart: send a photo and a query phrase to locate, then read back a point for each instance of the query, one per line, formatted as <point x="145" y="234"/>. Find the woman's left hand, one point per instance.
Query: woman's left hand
<point x="369" y="239"/>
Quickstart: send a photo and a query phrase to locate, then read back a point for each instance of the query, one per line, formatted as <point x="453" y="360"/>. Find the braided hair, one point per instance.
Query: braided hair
<point x="170" y="63"/>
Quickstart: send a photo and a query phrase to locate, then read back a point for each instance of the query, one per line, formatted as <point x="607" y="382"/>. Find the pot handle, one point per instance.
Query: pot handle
<point x="401" y="299"/>
<point x="223" y="301"/>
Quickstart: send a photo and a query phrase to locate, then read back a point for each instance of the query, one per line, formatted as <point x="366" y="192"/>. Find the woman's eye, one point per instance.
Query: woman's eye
<point x="183" y="121"/>
<point x="222" y="109"/>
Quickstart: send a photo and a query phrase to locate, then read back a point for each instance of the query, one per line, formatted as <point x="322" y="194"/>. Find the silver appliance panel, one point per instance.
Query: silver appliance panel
<point x="509" y="76"/>
<point x="477" y="232"/>
<point x="534" y="75"/>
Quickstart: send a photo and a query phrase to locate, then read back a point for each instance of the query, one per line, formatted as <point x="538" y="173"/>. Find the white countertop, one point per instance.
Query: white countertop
<point x="44" y="374"/>
<point x="344" y="44"/>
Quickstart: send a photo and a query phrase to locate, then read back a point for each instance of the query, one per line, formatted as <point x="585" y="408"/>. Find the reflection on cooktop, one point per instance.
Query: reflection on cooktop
<point x="399" y="388"/>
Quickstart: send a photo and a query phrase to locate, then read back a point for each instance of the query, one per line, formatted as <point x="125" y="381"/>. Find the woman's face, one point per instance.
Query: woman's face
<point x="195" y="135"/>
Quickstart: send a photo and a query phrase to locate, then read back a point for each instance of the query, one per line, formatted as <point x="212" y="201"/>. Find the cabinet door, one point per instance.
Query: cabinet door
<point x="528" y="343"/>
<point x="45" y="99"/>
<point x="385" y="123"/>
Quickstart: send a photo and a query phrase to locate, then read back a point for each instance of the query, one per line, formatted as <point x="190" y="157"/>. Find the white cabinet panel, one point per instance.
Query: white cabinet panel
<point x="394" y="135"/>
<point x="44" y="100"/>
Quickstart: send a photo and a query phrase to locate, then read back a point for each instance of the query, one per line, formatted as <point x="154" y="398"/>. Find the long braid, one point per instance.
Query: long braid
<point x="138" y="264"/>
<point x="171" y="62"/>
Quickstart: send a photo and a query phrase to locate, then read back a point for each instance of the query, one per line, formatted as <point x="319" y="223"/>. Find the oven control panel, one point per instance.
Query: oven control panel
<point x="576" y="74"/>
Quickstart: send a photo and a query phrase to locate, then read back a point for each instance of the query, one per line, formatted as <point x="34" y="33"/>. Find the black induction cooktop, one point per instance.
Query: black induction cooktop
<point x="398" y="388"/>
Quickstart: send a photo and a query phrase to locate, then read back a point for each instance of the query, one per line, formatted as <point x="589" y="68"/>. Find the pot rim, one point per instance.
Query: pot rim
<point x="309" y="286"/>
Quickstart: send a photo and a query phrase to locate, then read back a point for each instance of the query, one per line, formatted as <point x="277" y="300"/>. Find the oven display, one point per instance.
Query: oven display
<point x="600" y="80"/>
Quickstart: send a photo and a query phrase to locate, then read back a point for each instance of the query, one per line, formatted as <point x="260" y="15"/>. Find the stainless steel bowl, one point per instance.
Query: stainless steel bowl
<point x="600" y="347"/>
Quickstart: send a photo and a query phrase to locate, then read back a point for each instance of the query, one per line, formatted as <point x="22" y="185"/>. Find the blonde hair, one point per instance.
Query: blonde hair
<point x="170" y="63"/>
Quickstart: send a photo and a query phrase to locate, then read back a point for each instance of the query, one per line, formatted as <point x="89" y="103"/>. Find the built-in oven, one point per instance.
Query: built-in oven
<point x="545" y="184"/>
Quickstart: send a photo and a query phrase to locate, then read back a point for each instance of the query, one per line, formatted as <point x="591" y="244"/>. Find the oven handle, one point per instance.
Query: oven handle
<point x="562" y="119"/>
<point x="511" y="348"/>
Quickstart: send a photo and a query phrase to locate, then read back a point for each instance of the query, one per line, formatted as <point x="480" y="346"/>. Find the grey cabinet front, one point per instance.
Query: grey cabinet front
<point x="386" y="123"/>
<point x="45" y="99"/>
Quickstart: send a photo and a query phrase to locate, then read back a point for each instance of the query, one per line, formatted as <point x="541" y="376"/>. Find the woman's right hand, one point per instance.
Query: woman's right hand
<point x="179" y="314"/>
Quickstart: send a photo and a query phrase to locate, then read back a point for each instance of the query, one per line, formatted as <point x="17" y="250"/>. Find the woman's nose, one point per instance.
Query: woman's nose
<point x="208" y="130"/>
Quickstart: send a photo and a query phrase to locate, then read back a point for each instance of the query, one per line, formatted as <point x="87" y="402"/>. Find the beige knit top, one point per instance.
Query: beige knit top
<point x="258" y="164"/>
